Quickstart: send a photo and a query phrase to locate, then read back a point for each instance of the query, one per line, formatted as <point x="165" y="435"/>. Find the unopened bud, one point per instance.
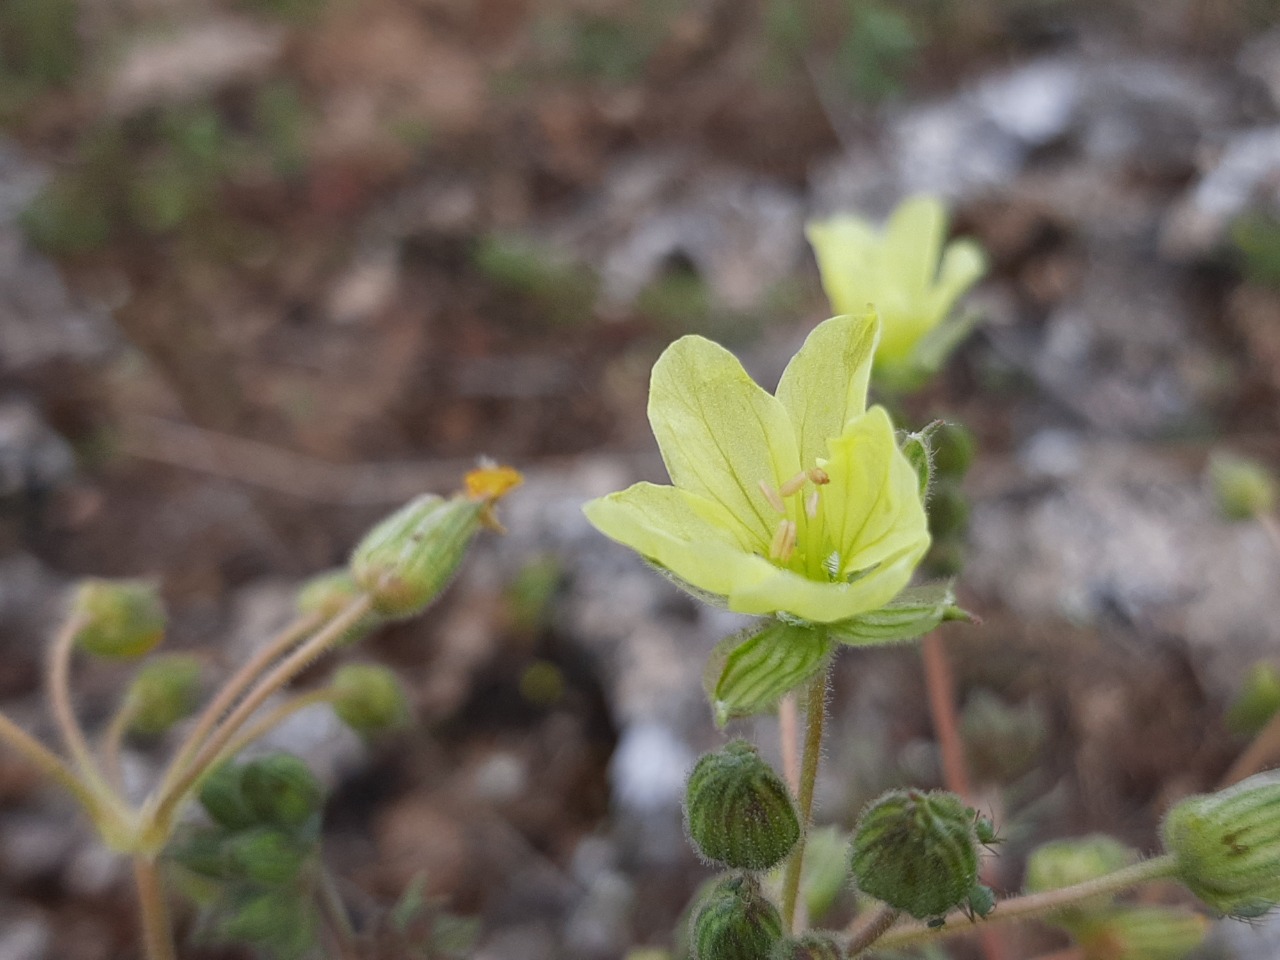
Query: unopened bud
<point x="327" y="594"/>
<point x="813" y="945"/>
<point x="223" y="798"/>
<point x="948" y="510"/>
<point x="280" y="789"/>
<point x="954" y="448"/>
<point x="368" y="698"/>
<point x="282" y="922"/>
<point x="120" y="619"/>
<point x="163" y="692"/>
<point x="406" y="560"/>
<point x="917" y="852"/>
<point x="1064" y="863"/>
<point x="735" y="922"/>
<point x="268" y="857"/>
<point x="917" y="447"/>
<point x="1227" y="845"/>
<point x="1141" y="933"/>
<point x="1243" y="488"/>
<point x="738" y="810"/>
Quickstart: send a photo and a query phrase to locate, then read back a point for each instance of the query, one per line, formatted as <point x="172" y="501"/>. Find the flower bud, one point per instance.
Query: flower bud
<point x="280" y="789"/>
<point x="738" y="810"/>
<point x="368" y="698"/>
<point x="1257" y="702"/>
<point x="267" y="857"/>
<point x="917" y="447"/>
<point x="281" y="922"/>
<point x="1064" y="863"/>
<point x="735" y="922"/>
<point x="1141" y="933"/>
<point x="1242" y="488"/>
<point x="954" y="448"/>
<point x="222" y="796"/>
<point x="948" y="512"/>
<point x="406" y="560"/>
<point x="121" y="619"/>
<point x="163" y="692"/>
<point x="1227" y="845"/>
<point x="327" y="594"/>
<point x="813" y="945"/>
<point x="916" y="851"/>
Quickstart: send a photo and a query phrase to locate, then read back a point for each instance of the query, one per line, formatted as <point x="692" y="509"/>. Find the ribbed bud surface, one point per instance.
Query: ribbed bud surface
<point x="735" y="922"/>
<point x="814" y="945"/>
<point x="1142" y="933"/>
<point x="1228" y="845"/>
<point x="916" y="851"/>
<point x="738" y="810"/>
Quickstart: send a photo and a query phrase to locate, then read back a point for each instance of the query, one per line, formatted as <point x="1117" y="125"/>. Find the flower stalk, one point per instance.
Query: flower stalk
<point x="815" y="717"/>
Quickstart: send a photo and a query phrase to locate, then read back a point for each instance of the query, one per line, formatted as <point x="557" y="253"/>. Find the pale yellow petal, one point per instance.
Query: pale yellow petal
<point x="912" y="242"/>
<point x="825" y="384"/>
<point x="963" y="265"/>
<point x="688" y="535"/>
<point x="845" y="248"/>
<point x="721" y="434"/>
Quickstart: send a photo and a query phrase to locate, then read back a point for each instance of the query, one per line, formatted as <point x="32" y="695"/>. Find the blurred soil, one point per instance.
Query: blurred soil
<point x="269" y="267"/>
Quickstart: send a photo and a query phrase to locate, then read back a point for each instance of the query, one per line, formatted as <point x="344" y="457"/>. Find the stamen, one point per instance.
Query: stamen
<point x="811" y="504"/>
<point x="772" y="496"/>
<point x="794" y="484"/>
<point x="784" y="541"/>
<point x="818" y="476"/>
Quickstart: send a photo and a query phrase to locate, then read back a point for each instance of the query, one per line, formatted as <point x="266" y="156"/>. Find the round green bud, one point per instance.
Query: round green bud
<point x="368" y="698"/>
<point x="406" y="560"/>
<point x="281" y="921"/>
<point x="1064" y="863"/>
<point x="280" y="789"/>
<point x="814" y="945"/>
<point x="120" y="619"/>
<point x="948" y="510"/>
<point x="327" y="594"/>
<point x="735" y="922"/>
<point x="163" y="692"/>
<point x="1227" y="845"/>
<point x="223" y="798"/>
<point x="738" y="811"/>
<point x="916" y="851"/>
<point x="1257" y="702"/>
<point x="267" y="857"/>
<point x="1242" y="488"/>
<point x="1141" y="933"/>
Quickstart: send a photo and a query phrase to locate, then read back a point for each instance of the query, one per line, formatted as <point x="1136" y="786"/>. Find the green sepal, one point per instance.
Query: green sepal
<point x="913" y="613"/>
<point x="750" y="671"/>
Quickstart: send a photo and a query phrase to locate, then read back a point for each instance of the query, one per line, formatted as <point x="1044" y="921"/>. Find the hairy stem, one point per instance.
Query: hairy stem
<point x="270" y="721"/>
<point x="157" y="932"/>
<point x="113" y="742"/>
<point x="788" y="724"/>
<point x="47" y="761"/>
<point x="942" y="708"/>
<point x="1033" y="905"/>
<point x="867" y="930"/>
<point x="64" y="714"/>
<point x="167" y="800"/>
<point x="1264" y="747"/>
<point x="815" y="716"/>
<point x="235" y="687"/>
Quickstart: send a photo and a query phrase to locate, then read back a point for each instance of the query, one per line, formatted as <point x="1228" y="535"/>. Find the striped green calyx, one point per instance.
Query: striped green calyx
<point x="738" y="811"/>
<point x="735" y="922"/>
<point x="1227" y="846"/>
<point x="917" y="852"/>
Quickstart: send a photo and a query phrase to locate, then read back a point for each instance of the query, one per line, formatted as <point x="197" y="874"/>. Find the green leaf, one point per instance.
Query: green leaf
<point x="750" y="671"/>
<point x="913" y="613"/>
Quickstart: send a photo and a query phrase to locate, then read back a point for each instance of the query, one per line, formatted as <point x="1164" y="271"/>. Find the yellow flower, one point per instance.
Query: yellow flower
<point x="799" y="504"/>
<point x="897" y="271"/>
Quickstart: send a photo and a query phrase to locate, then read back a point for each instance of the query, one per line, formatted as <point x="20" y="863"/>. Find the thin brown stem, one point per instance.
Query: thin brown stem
<point x="157" y="932"/>
<point x="867" y="930"/>
<point x="168" y="799"/>
<point x="788" y="727"/>
<point x="48" y="762"/>
<point x="939" y="683"/>
<point x="113" y="742"/>
<point x="335" y="911"/>
<point x="270" y="721"/>
<point x="815" y="717"/>
<point x="235" y="687"/>
<point x="1031" y="906"/>
<point x="1263" y="749"/>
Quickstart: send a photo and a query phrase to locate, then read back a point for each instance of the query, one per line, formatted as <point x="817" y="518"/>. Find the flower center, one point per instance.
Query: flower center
<point x="783" y="547"/>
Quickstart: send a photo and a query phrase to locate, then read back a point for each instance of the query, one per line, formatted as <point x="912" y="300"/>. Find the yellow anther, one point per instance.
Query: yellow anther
<point x="772" y="496"/>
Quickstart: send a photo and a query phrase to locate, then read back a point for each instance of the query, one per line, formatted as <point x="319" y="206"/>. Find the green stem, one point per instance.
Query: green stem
<point x="1033" y="905"/>
<point x="59" y="690"/>
<point x="113" y="743"/>
<point x="47" y="761"/>
<point x="269" y="722"/>
<point x="157" y="932"/>
<point x="160" y="812"/>
<point x="815" y="716"/>
<point x="234" y="689"/>
<point x="871" y="929"/>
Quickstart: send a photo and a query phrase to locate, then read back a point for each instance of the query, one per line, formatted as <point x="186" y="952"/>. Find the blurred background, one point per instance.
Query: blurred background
<point x="270" y="267"/>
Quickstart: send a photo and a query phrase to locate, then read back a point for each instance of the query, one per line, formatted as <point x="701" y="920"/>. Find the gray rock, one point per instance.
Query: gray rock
<point x="33" y="456"/>
<point x="25" y="937"/>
